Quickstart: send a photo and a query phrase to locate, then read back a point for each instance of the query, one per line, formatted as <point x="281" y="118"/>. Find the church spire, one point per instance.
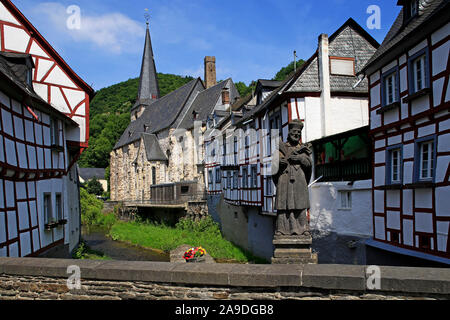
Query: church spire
<point x="148" y="83"/>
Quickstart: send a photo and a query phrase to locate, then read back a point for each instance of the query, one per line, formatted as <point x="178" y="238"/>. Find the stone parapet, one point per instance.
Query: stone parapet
<point x="36" y="278"/>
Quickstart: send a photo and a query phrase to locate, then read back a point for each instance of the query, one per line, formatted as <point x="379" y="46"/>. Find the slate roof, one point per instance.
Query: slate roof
<point x="159" y="115"/>
<point x="306" y="79"/>
<point x="153" y="148"/>
<point x="91" y="173"/>
<point x="345" y="42"/>
<point x="398" y="32"/>
<point x="148" y="84"/>
<point x="269" y="83"/>
<point x="205" y="102"/>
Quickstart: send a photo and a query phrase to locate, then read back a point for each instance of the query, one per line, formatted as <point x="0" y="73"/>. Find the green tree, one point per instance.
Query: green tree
<point x="284" y="72"/>
<point x="94" y="187"/>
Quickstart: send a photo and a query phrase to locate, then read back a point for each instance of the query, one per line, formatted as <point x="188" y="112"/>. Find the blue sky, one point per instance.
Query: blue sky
<point x="251" y="39"/>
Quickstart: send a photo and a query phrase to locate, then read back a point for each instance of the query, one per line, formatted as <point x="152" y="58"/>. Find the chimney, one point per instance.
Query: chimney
<point x="324" y="77"/>
<point x="225" y="96"/>
<point x="210" y="72"/>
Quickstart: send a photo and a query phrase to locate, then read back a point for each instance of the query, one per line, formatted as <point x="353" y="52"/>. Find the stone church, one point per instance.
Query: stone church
<point x="160" y="146"/>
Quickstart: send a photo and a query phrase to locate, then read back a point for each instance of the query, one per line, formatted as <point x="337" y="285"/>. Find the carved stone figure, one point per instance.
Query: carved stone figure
<point x="292" y="179"/>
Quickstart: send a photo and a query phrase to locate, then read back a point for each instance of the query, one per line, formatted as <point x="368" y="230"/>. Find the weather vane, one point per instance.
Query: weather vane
<point x="147" y="15"/>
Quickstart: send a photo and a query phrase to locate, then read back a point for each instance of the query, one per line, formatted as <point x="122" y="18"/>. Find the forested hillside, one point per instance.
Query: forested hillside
<point x="109" y="114"/>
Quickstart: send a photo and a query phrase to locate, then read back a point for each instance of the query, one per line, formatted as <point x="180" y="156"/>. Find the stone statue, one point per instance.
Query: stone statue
<point x="292" y="179"/>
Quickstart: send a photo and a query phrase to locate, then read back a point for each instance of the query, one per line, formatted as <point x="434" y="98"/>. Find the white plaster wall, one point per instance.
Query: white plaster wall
<point x="440" y="57"/>
<point x="313" y="119"/>
<point x="348" y="113"/>
<point x="327" y="216"/>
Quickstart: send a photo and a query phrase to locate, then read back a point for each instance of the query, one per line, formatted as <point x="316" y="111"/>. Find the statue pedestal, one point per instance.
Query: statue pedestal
<point x="293" y="250"/>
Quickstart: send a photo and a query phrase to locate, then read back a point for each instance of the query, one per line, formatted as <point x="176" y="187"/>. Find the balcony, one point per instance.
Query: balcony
<point x="348" y="170"/>
<point x="171" y="195"/>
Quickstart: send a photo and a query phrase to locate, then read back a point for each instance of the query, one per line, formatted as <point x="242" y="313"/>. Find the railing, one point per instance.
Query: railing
<point x="349" y="170"/>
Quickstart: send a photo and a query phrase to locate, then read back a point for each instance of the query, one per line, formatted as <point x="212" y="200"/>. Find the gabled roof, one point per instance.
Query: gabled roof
<point x="428" y="10"/>
<point x="269" y="83"/>
<point x="148" y="82"/>
<point x="306" y="79"/>
<point x="35" y="34"/>
<point x="159" y="115"/>
<point x="12" y="70"/>
<point x="205" y="102"/>
<point x="91" y="173"/>
<point x="153" y="148"/>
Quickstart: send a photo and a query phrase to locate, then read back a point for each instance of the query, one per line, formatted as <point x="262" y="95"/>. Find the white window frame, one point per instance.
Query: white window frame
<point x="345" y="197"/>
<point x="394" y="89"/>
<point x="419" y="80"/>
<point x="396" y="166"/>
<point x="59" y="213"/>
<point x="429" y="169"/>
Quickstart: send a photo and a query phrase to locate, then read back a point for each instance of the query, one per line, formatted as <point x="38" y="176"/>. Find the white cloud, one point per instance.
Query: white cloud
<point x="113" y="32"/>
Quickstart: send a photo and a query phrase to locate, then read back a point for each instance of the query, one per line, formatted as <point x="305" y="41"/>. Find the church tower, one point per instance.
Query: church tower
<point x="148" y="81"/>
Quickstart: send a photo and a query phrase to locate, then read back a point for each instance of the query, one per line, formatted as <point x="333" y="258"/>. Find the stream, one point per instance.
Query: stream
<point x="97" y="239"/>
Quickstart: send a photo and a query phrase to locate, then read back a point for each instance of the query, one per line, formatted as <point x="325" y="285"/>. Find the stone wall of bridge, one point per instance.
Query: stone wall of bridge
<point x="35" y="278"/>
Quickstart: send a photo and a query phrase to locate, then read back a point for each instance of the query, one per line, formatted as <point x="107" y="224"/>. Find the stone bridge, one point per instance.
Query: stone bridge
<point x="37" y="278"/>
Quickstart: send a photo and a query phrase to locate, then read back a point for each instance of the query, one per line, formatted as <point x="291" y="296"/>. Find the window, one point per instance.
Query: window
<point x="48" y="217"/>
<point x="342" y="66"/>
<point x="210" y="176"/>
<point x="426" y="169"/>
<point x="394" y="165"/>
<point x="235" y="180"/>
<point x="244" y="177"/>
<point x="390" y="88"/>
<point x="424" y="242"/>
<point x="418" y="71"/>
<point x="410" y="9"/>
<point x="153" y="175"/>
<point x="268" y="185"/>
<point x="184" y="189"/>
<point x="247" y="154"/>
<point x="218" y="175"/>
<point x="59" y="208"/>
<point x="229" y="180"/>
<point x="395" y="236"/>
<point x="274" y="124"/>
<point x="254" y="176"/>
<point x="346" y="199"/>
<point x="54" y="132"/>
<point x="235" y="142"/>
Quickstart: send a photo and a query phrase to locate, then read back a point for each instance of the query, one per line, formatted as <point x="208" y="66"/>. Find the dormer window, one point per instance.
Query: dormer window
<point x="29" y="79"/>
<point x="410" y="10"/>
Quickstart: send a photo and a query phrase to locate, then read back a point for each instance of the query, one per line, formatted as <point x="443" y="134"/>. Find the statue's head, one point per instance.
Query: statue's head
<point x="295" y="131"/>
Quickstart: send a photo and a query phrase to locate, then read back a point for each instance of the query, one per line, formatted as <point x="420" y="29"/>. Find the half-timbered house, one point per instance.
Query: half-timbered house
<point x="410" y="125"/>
<point x="332" y="102"/>
<point x="43" y="129"/>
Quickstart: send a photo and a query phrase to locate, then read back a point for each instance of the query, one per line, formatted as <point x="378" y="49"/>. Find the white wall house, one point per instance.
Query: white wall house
<point x="410" y="127"/>
<point x="327" y="96"/>
<point x="44" y="109"/>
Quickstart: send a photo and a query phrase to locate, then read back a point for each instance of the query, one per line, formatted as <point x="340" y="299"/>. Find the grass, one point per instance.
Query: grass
<point x="205" y="233"/>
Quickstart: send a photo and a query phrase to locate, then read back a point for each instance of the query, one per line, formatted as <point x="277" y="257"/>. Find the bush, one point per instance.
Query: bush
<point x="94" y="187"/>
